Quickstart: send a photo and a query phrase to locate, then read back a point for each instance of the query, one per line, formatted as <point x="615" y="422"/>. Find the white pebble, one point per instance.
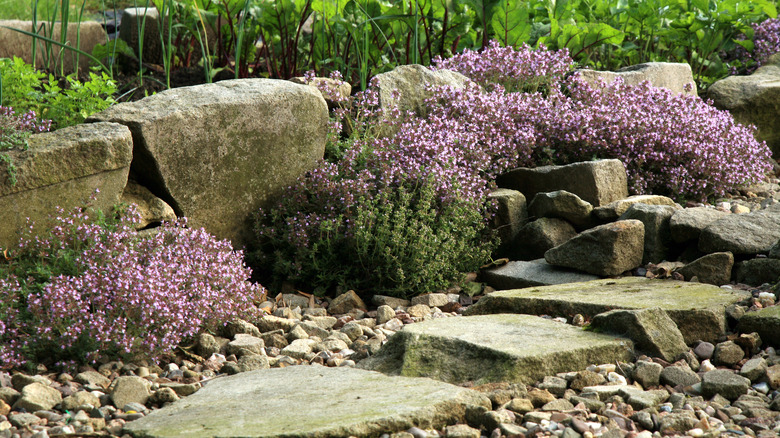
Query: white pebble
<point x="706" y="365"/>
<point x="696" y="432"/>
<point x="761" y="387"/>
<point x="615" y="377"/>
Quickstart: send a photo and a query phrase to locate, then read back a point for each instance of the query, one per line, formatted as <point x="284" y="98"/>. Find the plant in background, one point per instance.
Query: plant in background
<point x="767" y="40"/>
<point x="91" y="287"/>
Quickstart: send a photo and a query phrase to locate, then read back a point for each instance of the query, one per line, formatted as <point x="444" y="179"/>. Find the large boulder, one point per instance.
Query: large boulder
<point x="509" y="218"/>
<point x="743" y="234"/>
<point x="63" y="168"/>
<point x="673" y="76"/>
<point x="218" y="152"/>
<point x="408" y="86"/>
<point x="753" y="99"/>
<point x="652" y="331"/>
<point x="597" y="182"/>
<point x="561" y="204"/>
<point x="658" y="239"/>
<point x="14" y="43"/>
<point x="687" y="224"/>
<point x="712" y="268"/>
<point x="152" y="209"/>
<point x="539" y="236"/>
<point x="606" y="250"/>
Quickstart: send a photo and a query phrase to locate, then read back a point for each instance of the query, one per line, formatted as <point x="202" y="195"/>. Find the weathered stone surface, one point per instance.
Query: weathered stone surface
<point x="612" y="211"/>
<point x="674" y="76"/>
<point x="512" y="214"/>
<point x="130" y="389"/>
<point x="132" y="19"/>
<point x="151" y="208"/>
<point x="658" y="239"/>
<point x="597" y="182"/>
<point x="727" y="354"/>
<point x="81" y="398"/>
<point x="519" y="274"/>
<point x="38" y="397"/>
<point x="726" y="383"/>
<point x="245" y="344"/>
<point x="652" y="331"/>
<point x="346" y="302"/>
<point x="758" y="271"/>
<point x="766" y="322"/>
<point x="93" y="378"/>
<point x="753" y="99"/>
<point x="608" y="249"/>
<point x="539" y="236"/>
<point x="13" y="43"/>
<point x="687" y="224"/>
<point x="359" y="403"/>
<point x="679" y="376"/>
<point x="198" y="148"/>
<point x="712" y="269"/>
<point x="754" y="369"/>
<point x="431" y="300"/>
<point x="563" y="205"/>
<point x="647" y="373"/>
<point x="411" y="82"/>
<point x="63" y="168"/>
<point x="699" y="310"/>
<point x="743" y="234"/>
<point x="493" y="348"/>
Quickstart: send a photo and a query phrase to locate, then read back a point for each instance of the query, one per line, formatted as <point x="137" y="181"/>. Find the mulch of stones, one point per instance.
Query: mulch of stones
<point x="647" y="398"/>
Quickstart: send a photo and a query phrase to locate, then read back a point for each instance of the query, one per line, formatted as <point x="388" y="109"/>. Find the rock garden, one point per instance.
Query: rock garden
<point x="522" y="226"/>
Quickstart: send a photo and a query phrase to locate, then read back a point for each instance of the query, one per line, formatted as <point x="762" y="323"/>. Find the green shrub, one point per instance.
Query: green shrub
<point x="25" y="89"/>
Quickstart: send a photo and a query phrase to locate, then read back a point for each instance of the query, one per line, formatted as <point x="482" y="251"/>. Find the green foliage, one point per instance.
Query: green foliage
<point x="510" y="23"/>
<point x="26" y="89"/>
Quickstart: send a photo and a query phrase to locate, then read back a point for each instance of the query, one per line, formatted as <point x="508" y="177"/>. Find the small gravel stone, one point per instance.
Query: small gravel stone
<point x="431" y="300"/>
<point x="727" y="354"/>
<point x="679" y="376"/>
<point x="724" y="382"/>
<point x="754" y="369"/>
<point x="704" y="350"/>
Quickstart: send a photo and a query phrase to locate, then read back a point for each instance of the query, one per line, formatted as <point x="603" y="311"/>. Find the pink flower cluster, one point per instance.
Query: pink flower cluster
<point x="766" y="39"/>
<point x="131" y="295"/>
<point x="27" y="122"/>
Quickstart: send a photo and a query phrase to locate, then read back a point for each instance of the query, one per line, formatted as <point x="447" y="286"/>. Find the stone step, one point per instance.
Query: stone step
<point x="519" y="274"/>
<point x="494" y="348"/>
<point x="697" y="309"/>
<point x="309" y="401"/>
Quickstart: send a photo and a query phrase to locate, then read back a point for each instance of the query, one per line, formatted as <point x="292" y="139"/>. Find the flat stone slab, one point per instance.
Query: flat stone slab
<point x="519" y="274"/>
<point x="697" y="309"/>
<point x="766" y="322"/>
<point x="494" y="348"/>
<point x="309" y="401"/>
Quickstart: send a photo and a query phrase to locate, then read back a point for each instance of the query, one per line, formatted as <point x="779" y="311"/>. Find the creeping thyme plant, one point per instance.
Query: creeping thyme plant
<point x="15" y="129"/>
<point x="91" y="286"/>
<point x="525" y="108"/>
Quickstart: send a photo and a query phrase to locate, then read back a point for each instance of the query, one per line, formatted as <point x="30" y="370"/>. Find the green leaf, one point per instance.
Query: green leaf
<point x="510" y="23"/>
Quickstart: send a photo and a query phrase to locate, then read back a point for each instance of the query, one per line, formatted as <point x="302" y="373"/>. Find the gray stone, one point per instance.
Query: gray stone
<point x="132" y="20"/>
<point x="245" y="344"/>
<point x="597" y="182"/>
<point x="418" y="311"/>
<point x="727" y="354"/>
<point x="725" y="383"/>
<point x="63" y="168"/>
<point x="539" y="236"/>
<point x="346" y="302"/>
<point x="704" y="350"/>
<point x="384" y="313"/>
<point x="612" y="211"/>
<point x="679" y="376"/>
<point x="556" y="385"/>
<point x="493" y="348"/>
<point x="240" y="326"/>
<point x="705" y="320"/>
<point x="743" y="234"/>
<point x="756" y="272"/>
<point x="652" y="331"/>
<point x="9" y="395"/>
<point x="315" y="330"/>
<point x="607" y="250"/>
<point x="658" y="239"/>
<point x="712" y="269"/>
<point x="676" y="423"/>
<point x="754" y="369"/>
<point x="359" y="403"/>
<point x="19" y="380"/>
<point x="557" y="405"/>
<point x="322" y="322"/>
<point x="774" y="251"/>
<point x="563" y="205"/>
<point x="151" y="208"/>
<point x="269" y="323"/>
<point x="37" y="397"/>
<point x="208" y="345"/>
<point x="765" y="322"/>
<point x="333" y="345"/>
<point x="511" y="215"/>
<point x="687" y="224"/>
<point x="753" y="99"/>
<point x="431" y="300"/>
<point x="393" y="302"/>
<point x="24" y="420"/>
<point x="519" y="274"/>
<point x="639" y="399"/>
<point x="674" y="76"/>
<point x="413" y="82"/>
<point x="461" y="431"/>
<point x="299" y="348"/>
<point x="647" y="373"/>
<point x="81" y="398"/>
<point x="164" y="395"/>
<point x="197" y="148"/>
<point x="183" y="389"/>
<point x="93" y="378"/>
<point x="130" y="389"/>
<point x="13" y="43"/>
<point x="353" y="330"/>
